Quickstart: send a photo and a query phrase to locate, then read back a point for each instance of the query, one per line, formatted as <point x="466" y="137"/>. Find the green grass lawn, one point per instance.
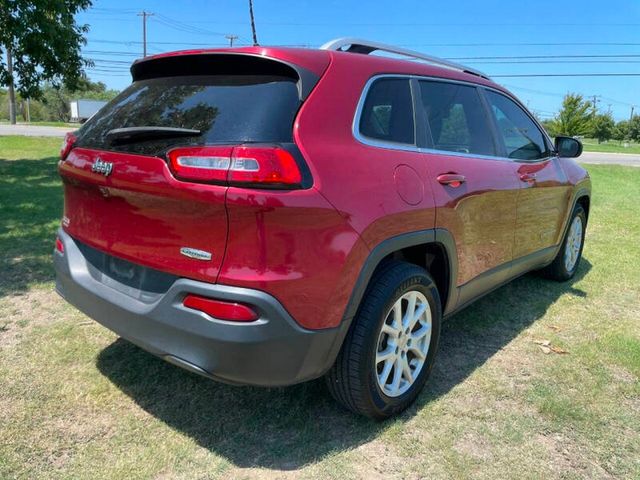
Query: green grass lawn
<point x="611" y="146"/>
<point x="46" y="124"/>
<point x="76" y="402"/>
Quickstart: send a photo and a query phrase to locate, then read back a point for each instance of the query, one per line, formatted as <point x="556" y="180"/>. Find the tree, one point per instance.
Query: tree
<point x="602" y="127"/>
<point x="53" y="104"/>
<point x="634" y="128"/>
<point x="41" y="41"/>
<point x="550" y="126"/>
<point x="621" y="131"/>
<point x="56" y="99"/>
<point x="575" y="116"/>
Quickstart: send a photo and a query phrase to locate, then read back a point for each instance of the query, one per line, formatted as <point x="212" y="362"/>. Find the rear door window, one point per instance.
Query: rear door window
<point x="387" y="114"/>
<point x="522" y="139"/>
<point x="456" y="118"/>
<point x="225" y="108"/>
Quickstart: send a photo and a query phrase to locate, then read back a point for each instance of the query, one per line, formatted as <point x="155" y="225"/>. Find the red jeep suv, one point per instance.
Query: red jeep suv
<point x="267" y="216"/>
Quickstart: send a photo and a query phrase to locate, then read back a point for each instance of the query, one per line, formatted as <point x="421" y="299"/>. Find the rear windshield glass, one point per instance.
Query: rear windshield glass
<point x="225" y="108"/>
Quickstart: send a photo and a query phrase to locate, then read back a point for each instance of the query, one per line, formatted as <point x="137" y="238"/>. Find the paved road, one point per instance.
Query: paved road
<point x="610" y="158"/>
<point x="34" y="130"/>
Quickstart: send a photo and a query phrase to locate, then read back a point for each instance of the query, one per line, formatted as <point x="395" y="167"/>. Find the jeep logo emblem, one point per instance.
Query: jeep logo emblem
<point x="102" y="167"/>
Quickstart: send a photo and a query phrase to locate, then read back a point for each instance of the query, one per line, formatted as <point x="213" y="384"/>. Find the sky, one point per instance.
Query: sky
<point x="503" y="38"/>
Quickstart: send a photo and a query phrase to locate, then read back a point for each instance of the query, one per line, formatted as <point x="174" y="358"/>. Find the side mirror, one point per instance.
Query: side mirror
<point x="568" y="147"/>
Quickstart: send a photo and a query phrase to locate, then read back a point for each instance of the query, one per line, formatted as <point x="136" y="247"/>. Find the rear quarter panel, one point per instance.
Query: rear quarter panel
<point x="296" y="247"/>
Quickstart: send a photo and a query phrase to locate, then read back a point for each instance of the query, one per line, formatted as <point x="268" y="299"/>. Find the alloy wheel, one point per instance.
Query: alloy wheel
<point x="403" y="343"/>
<point x="574" y="242"/>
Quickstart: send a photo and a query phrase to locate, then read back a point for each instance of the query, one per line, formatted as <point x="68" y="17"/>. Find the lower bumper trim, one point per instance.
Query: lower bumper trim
<point x="271" y="351"/>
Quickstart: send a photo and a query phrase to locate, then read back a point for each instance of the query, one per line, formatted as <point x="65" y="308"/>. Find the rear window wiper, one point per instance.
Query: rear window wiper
<point x="129" y="134"/>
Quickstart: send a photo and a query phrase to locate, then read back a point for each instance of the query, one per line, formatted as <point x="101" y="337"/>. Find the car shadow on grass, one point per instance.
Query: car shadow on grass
<point x="31" y="207"/>
<point x="287" y="428"/>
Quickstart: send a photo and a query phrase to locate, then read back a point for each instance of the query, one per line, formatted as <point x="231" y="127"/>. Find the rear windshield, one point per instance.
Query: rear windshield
<point x="225" y="108"/>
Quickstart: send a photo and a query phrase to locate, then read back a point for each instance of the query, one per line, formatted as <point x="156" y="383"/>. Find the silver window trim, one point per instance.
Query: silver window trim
<point x="372" y="142"/>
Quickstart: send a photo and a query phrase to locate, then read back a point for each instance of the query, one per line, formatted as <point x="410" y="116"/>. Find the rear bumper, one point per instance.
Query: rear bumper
<point x="274" y="350"/>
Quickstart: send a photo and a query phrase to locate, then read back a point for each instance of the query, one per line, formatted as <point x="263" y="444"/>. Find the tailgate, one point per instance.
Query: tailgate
<point x="139" y="212"/>
<point x="124" y="197"/>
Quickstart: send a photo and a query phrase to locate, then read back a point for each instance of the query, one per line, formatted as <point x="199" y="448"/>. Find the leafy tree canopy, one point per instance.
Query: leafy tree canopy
<point x="621" y="132"/>
<point x="603" y="126"/>
<point x="634" y="128"/>
<point x="44" y="40"/>
<point x="53" y="104"/>
<point x="575" y="116"/>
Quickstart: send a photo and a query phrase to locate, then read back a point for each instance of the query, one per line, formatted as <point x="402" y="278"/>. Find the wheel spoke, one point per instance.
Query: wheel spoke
<point x="417" y="352"/>
<point x="389" y="330"/>
<point x="397" y="375"/>
<point x="397" y="316"/>
<point x="386" y="354"/>
<point x="386" y="370"/>
<point x="411" y="307"/>
<point x="418" y="334"/>
<point x="417" y="314"/>
<point x="406" y="369"/>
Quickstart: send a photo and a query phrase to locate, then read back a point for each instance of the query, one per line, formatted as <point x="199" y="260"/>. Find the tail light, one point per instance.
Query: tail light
<point x="242" y="165"/>
<point x="201" y="164"/>
<point x="67" y="144"/>
<point x="233" y="312"/>
<point x="59" y="246"/>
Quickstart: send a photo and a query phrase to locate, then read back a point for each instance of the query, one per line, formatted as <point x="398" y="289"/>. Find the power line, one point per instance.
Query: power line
<point x="406" y="24"/>
<point x="568" y="75"/>
<point x="512" y="44"/>
<point x="111" y="52"/>
<point x="556" y="94"/>
<point x="184" y="27"/>
<point x="511" y="57"/>
<point x="532" y="62"/>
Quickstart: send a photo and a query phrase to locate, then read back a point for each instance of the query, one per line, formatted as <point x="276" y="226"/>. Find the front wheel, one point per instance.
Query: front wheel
<point x="566" y="263"/>
<point x="389" y="351"/>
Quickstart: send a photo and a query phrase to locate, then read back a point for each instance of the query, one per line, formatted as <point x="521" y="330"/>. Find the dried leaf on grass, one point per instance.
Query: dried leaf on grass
<point x="547" y="348"/>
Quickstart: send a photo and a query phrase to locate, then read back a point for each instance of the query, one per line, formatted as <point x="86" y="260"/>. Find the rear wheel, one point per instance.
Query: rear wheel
<point x="567" y="261"/>
<point x="389" y="351"/>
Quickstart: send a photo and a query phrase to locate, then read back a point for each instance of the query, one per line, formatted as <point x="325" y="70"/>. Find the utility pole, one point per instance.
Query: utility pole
<point x="632" y="109"/>
<point x="595" y="108"/>
<point x="231" y="38"/>
<point x="12" y="91"/>
<point x="253" y="24"/>
<point x="144" y="16"/>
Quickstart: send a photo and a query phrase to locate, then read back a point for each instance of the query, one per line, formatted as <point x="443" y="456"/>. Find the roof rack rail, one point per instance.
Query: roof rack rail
<point x="357" y="45"/>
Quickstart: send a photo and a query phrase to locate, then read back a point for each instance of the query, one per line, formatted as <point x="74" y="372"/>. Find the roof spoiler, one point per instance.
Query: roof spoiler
<point x="223" y="63"/>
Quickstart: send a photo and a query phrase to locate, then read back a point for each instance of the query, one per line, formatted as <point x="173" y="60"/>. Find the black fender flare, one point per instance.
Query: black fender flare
<point x="439" y="236"/>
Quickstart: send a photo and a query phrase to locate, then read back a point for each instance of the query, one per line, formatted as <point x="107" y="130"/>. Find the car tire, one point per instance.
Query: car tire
<point x="381" y="367"/>
<point x="567" y="260"/>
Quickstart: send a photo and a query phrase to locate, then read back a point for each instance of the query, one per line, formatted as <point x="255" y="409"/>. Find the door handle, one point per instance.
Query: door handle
<point x="528" y="177"/>
<point x="452" y="179"/>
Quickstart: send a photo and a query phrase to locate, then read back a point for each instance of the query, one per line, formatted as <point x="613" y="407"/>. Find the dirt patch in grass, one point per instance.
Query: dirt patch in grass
<point x="21" y="313"/>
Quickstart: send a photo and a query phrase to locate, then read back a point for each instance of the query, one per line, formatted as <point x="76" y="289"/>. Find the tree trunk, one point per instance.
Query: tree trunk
<point x="12" y="91"/>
